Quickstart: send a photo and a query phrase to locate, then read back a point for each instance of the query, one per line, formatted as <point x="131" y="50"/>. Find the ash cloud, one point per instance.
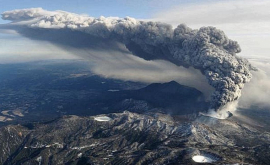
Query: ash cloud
<point x="207" y="49"/>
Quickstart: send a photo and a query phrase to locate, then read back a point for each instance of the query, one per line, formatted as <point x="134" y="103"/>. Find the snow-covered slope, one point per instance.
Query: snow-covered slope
<point x="130" y="138"/>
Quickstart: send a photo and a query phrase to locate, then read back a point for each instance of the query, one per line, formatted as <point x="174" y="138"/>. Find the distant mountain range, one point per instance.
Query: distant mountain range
<point x="40" y="91"/>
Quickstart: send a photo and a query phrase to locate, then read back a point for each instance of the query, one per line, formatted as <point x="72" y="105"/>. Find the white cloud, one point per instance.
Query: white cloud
<point x="15" y="48"/>
<point x="245" y="21"/>
<point x="257" y="91"/>
<point x="215" y="13"/>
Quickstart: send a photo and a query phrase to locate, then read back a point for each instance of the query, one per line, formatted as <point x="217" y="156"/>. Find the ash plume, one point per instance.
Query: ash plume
<point x="207" y="49"/>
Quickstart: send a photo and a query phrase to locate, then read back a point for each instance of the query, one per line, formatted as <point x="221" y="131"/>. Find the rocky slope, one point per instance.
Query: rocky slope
<point x="130" y="138"/>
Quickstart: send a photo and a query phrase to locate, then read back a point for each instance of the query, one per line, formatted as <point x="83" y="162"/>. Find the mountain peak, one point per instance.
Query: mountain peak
<point x="172" y="87"/>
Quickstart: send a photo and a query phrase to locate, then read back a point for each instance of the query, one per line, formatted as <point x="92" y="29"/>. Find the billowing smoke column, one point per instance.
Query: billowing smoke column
<point x="207" y="49"/>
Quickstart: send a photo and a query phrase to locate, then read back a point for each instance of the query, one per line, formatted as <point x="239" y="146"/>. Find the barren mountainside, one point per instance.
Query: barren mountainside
<point x="131" y="138"/>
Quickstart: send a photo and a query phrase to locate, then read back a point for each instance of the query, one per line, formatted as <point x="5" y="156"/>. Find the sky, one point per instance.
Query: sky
<point x="245" y="21"/>
<point x="27" y="50"/>
<point x="138" y="9"/>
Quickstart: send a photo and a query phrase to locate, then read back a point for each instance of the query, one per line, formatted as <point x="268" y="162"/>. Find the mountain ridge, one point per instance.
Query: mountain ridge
<point x="129" y="138"/>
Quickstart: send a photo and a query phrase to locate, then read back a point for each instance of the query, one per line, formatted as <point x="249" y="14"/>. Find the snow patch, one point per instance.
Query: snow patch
<point x="102" y="118"/>
<point x="79" y="155"/>
<point x="39" y="159"/>
<point x="86" y="146"/>
<point x="202" y="159"/>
